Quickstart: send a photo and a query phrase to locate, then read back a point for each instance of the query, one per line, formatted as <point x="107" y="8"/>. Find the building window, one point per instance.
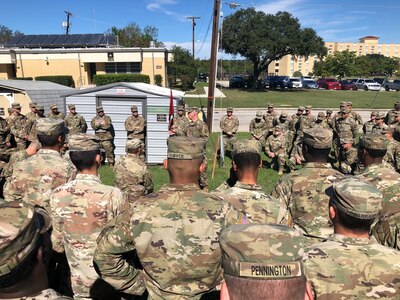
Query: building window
<point x="123" y="68"/>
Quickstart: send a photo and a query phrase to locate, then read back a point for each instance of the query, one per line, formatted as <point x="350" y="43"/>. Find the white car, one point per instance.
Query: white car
<point x="367" y="84"/>
<point x="292" y="83"/>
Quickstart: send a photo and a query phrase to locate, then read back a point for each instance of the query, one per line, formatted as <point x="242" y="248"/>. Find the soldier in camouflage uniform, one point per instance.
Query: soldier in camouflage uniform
<point x="380" y="126"/>
<point x="308" y="119"/>
<point x="55" y="114"/>
<point x="392" y="156"/>
<point x="329" y="118"/>
<point x="229" y="124"/>
<point x="9" y="139"/>
<point x="348" y="156"/>
<point x="387" y="230"/>
<point x="179" y="122"/>
<point x="32" y="123"/>
<point x="344" y="128"/>
<point x="269" y="118"/>
<point x="367" y="127"/>
<point x="246" y="194"/>
<point x="101" y="125"/>
<point x="350" y="263"/>
<point x="80" y="209"/>
<point x="390" y="116"/>
<point x="257" y="128"/>
<point x="303" y="191"/>
<point x="32" y="113"/>
<point x="18" y="126"/>
<point x="175" y="233"/>
<point x="25" y="250"/>
<point x="4" y="131"/>
<point x="275" y="148"/>
<point x="74" y="122"/>
<point x="35" y="177"/>
<point x="320" y="122"/>
<point x="263" y="262"/>
<point x="282" y="121"/>
<point x="131" y="173"/>
<point x="294" y="133"/>
<point x="135" y="125"/>
<point x="355" y="115"/>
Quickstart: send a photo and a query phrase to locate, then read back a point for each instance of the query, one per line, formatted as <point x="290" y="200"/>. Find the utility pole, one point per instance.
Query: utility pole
<point x="68" y="23"/>
<point x="193" y="25"/>
<point x="213" y="65"/>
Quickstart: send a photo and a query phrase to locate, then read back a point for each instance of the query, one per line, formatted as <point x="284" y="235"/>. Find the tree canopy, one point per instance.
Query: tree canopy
<point x="263" y="38"/>
<point x="133" y="36"/>
<point x="182" y="67"/>
<point x="6" y="34"/>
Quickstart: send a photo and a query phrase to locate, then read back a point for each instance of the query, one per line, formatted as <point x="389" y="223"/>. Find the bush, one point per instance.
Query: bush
<point x="187" y="82"/>
<point x="104" y="79"/>
<point x="23" y="78"/>
<point x="66" y="80"/>
<point x="158" y="79"/>
<point x="297" y="74"/>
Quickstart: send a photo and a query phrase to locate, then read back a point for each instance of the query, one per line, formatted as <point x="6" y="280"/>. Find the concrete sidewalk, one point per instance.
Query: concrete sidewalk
<point x="218" y="94"/>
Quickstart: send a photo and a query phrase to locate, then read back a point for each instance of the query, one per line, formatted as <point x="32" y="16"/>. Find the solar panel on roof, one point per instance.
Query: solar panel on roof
<point x="50" y="38"/>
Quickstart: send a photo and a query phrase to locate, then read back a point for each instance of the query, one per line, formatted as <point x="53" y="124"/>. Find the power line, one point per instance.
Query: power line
<point x="193" y="26"/>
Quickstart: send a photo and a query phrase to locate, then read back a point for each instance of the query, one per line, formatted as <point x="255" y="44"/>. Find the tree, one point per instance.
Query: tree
<point x="297" y="74"/>
<point x="340" y="64"/>
<point x="182" y="67"/>
<point x="263" y="38"/>
<point x="6" y="34"/>
<point x="133" y="36"/>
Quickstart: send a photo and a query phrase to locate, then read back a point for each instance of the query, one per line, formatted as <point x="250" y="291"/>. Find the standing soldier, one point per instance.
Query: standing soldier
<point x="101" y="124"/>
<point x="344" y="128"/>
<point x="294" y="128"/>
<point x="392" y="156"/>
<point x="329" y="118"/>
<point x="132" y="176"/>
<point x="320" y="122"/>
<point x="175" y="233"/>
<point x="18" y="127"/>
<point x="275" y="149"/>
<point x="80" y="209"/>
<point x="308" y="118"/>
<point x="32" y="113"/>
<point x="390" y="116"/>
<point x="257" y="128"/>
<point x="135" y="125"/>
<point x="269" y="117"/>
<point x="33" y="125"/>
<point x="380" y="126"/>
<point x="348" y="156"/>
<point x="54" y="113"/>
<point x="229" y="124"/>
<point x="283" y="122"/>
<point x="355" y="115"/>
<point x="179" y="122"/>
<point x="367" y="127"/>
<point x="10" y="142"/>
<point x="74" y="122"/>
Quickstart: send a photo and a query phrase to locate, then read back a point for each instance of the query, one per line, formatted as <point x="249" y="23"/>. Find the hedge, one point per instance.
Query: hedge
<point x="66" y="80"/>
<point x="104" y="79"/>
<point x="158" y="79"/>
<point x="23" y="78"/>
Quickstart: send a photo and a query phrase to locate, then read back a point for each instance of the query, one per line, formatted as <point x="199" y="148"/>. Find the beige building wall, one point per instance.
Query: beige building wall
<point x="154" y="64"/>
<point x="5" y="71"/>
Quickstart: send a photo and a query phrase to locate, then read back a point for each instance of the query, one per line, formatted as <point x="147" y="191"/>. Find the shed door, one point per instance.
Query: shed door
<point x="119" y="108"/>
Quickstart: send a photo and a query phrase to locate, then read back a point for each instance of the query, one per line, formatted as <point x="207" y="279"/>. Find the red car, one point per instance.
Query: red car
<point x="347" y="85"/>
<point x="329" y="84"/>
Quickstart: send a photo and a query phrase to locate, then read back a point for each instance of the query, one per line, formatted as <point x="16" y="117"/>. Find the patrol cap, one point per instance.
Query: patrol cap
<point x="134" y="108"/>
<point x="321" y="115"/>
<point x="32" y="105"/>
<point x="132" y="144"/>
<point x="343" y="104"/>
<point x="308" y="107"/>
<point x="301" y="108"/>
<point x="373" y="113"/>
<point x="284" y="114"/>
<point x="229" y="109"/>
<point x="47" y="126"/>
<point x="20" y="228"/>
<point x="329" y="111"/>
<point x="99" y="109"/>
<point x="182" y="147"/>
<point x="83" y="142"/>
<point x="356" y="198"/>
<point x="259" y="114"/>
<point x="39" y="107"/>
<point x="350" y="103"/>
<point x="53" y="106"/>
<point x="270" y="105"/>
<point x="16" y="105"/>
<point x="181" y="107"/>
<point x="344" y="110"/>
<point x="246" y="146"/>
<point x="262" y="251"/>
<point x="193" y="108"/>
<point x="379" y="115"/>
<point x="319" y="138"/>
<point x="396" y="103"/>
<point x="71" y="106"/>
<point x="374" y="141"/>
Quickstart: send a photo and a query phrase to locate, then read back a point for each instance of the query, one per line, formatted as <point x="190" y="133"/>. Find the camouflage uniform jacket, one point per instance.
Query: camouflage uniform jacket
<point x="47" y="294"/>
<point x="135" y="127"/>
<point x="4" y="131"/>
<point x="102" y="127"/>
<point x="357" y="117"/>
<point x="258" y="206"/>
<point x="176" y="236"/>
<point x="390" y="117"/>
<point x="284" y="125"/>
<point x="80" y="209"/>
<point x="229" y="124"/>
<point x="346" y="127"/>
<point x="197" y="129"/>
<point x="31" y="115"/>
<point x="59" y="116"/>
<point x="17" y="127"/>
<point x="269" y="120"/>
<point x="14" y="158"/>
<point x="34" y="178"/>
<point x="392" y="156"/>
<point x="367" y="127"/>
<point x="320" y="124"/>
<point x="379" y="128"/>
<point x="294" y="123"/>
<point x="75" y="123"/>
<point x="276" y="144"/>
<point x="132" y="175"/>
<point x="353" y="268"/>
<point x="31" y="128"/>
<point x="304" y="194"/>
<point x="387" y="231"/>
<point x="257" y="128"/>
<point x="181" y="123"/>
<point x="307" y="121"/>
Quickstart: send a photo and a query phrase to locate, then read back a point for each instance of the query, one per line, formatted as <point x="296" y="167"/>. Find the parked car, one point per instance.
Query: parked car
<point x="306" y="78"/>
<point x="379" y="80"/>
<point x="367" y="84"/>
<point x="237" y="81"/>
<point x="329" y="84"/>
<point x="348" y="85"/>
<point x="309" y="84"/>
<point x="202" y="77"/>
<point x="292" y="83"/>
<point x="274" y="81"/>
<point x="392" y="85"/>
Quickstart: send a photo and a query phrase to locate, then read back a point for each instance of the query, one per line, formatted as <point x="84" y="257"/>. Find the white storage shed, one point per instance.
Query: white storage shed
<point x="117" y="98"/>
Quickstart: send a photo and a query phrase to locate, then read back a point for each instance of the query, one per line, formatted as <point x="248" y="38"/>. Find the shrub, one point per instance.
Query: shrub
<point x="104" y="79"/>
<point x="297" y="74"/>
<point x="66" y="80"/>
<point x="23" y="78"/>
<point x="158" y="79"/>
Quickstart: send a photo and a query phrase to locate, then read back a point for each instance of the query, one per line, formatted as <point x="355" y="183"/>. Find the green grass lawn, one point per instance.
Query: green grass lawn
<point x="293" y="98"/>
<point x="267" y="177"/>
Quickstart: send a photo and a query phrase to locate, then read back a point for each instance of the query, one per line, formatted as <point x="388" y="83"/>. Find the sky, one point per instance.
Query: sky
<point x="334" y="21"/>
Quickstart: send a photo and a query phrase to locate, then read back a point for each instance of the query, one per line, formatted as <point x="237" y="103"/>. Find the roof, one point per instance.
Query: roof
<point x="140" y="86"/>
<point x="369" y="37"/>
<point x="61" y="41"/>
<point x="30" y="85"/>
